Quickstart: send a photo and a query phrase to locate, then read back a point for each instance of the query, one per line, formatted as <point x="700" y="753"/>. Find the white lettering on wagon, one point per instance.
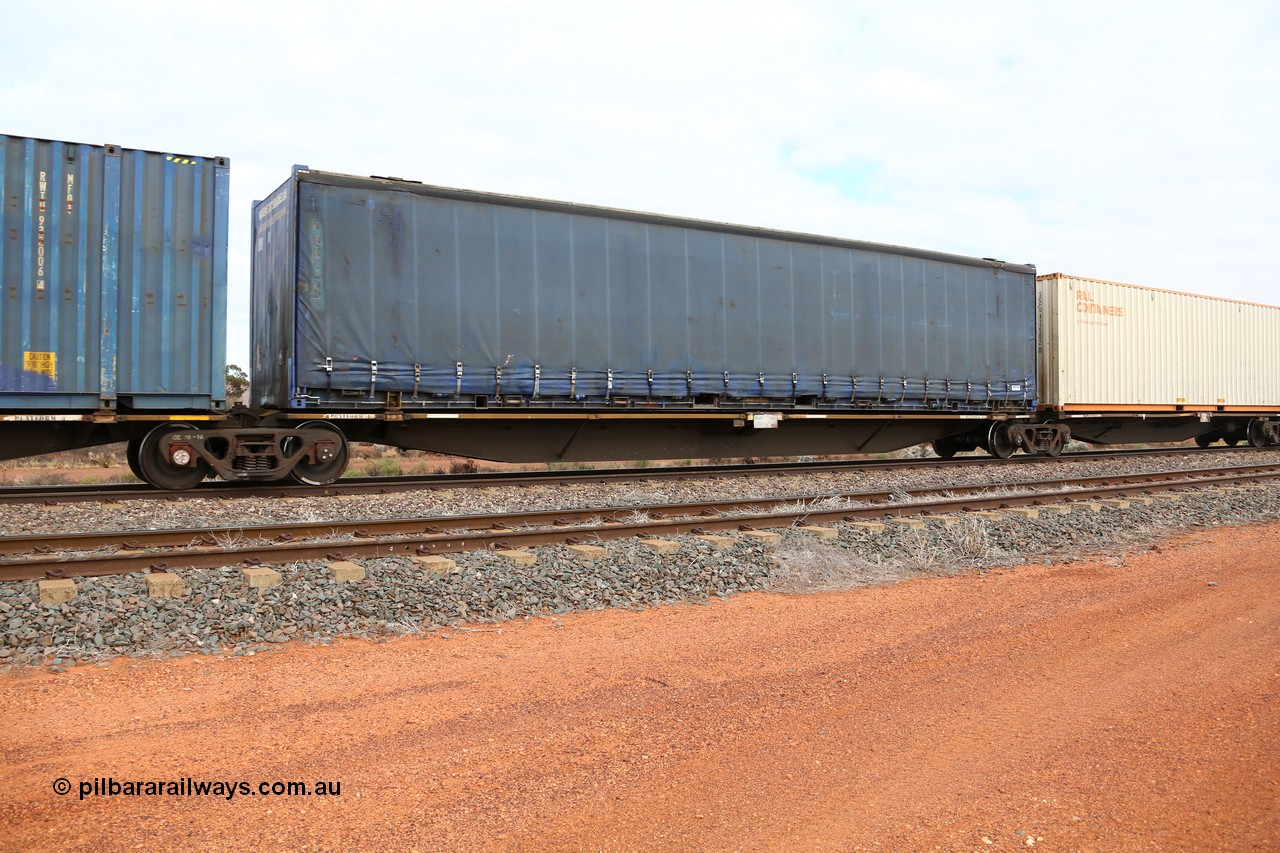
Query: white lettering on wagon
<point x="267" y="207"/>
<point x="41" y="206"/>
<point x="44" y="418"/>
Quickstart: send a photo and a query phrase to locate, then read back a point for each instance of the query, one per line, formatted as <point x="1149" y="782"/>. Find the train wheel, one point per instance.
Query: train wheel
<point x="131" y="456"/>
<point x="155" y="467"/>
<point x="1204" y="440"/>
<point x="1256" y="436"/>
<point x="999" y="444"/>
<point x="1231" y="442"/>
<point x="328" y="468"/>
<point x="945" y="448"/>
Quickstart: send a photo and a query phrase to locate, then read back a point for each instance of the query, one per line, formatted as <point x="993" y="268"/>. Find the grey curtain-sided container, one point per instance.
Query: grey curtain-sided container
<point x="113" y="264"/>
<point x="372" y="292"/>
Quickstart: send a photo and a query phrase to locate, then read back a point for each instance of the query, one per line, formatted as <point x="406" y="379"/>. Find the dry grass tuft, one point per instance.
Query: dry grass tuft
<point x="828" y="568"/>
<point x="933" y="551"/>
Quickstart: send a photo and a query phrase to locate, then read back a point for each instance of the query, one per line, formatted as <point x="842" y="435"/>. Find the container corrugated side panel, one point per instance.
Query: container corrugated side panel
<point x="475" y="295"/>
<point x="1108" y="344"/>
<point x="172" y="281"/>
<point x="114" y="276"/>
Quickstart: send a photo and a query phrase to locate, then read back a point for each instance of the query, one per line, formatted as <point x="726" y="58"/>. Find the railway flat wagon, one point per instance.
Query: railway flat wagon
<point x="521" y="329"/>
<point x="1122" y="363"/>
<point x="113" y="268"/>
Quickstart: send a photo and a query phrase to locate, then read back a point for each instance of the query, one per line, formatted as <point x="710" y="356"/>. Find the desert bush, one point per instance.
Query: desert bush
<point x="52" y="479"/>
<point x="917" y="451"/>
<point x="383" y="466"/>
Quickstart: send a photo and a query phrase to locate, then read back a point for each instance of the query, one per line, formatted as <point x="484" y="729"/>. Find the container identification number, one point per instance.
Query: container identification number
<point x="43" y="187"/>
<point x="42" y="207"/>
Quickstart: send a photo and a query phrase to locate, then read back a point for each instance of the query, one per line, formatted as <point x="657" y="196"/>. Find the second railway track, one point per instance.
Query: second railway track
<point x="392" y="484"/>
<point x="36" y="556"/>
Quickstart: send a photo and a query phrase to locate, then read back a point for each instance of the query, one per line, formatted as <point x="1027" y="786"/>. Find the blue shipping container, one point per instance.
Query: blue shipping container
<point x="113" y="264"/>
<point x="374" y="292"/>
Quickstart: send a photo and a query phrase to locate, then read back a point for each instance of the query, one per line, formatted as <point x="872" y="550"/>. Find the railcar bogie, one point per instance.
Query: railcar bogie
<point x="179" y="457"/>
<point x="179" y="453"/>
<point x="1002" y="439"/>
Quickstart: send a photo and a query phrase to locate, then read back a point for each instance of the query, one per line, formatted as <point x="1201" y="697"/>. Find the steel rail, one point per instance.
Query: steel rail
<point x="540" y="528"/>
<point x="391" y="484"/>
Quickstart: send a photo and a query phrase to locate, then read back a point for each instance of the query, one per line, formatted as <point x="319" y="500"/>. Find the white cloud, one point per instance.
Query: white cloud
<point x="1129" y="141"/>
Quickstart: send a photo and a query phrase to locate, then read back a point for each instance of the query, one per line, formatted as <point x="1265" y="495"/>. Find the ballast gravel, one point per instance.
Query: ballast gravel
<point x="220" y="614"/>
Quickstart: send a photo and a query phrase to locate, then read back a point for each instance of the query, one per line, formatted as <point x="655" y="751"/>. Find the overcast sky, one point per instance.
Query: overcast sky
<point x="1131" y="141"/>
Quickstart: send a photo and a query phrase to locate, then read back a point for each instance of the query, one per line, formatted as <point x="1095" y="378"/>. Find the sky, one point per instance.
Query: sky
<point x="1129" y="141"/>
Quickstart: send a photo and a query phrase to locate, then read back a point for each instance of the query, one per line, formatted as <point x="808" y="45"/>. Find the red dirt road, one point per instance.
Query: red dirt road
<point x="1081" y="707"/>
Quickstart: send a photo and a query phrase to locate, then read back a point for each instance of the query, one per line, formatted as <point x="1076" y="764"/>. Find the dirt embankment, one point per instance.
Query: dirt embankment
<point x="1088" y="706"/>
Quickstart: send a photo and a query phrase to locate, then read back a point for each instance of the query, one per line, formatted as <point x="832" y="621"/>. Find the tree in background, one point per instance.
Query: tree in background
<point x="237" y="385"/>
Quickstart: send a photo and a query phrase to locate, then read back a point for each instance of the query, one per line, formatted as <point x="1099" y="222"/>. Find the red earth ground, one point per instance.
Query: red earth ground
<point x="1101" y="705"/>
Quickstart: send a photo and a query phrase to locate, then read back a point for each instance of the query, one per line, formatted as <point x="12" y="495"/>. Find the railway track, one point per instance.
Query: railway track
<point x="38" y="556"/>
<point x="388" y="485"/>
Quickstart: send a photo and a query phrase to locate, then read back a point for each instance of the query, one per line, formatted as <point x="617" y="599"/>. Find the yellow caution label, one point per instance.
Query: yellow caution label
<point x="41" y="362"/>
